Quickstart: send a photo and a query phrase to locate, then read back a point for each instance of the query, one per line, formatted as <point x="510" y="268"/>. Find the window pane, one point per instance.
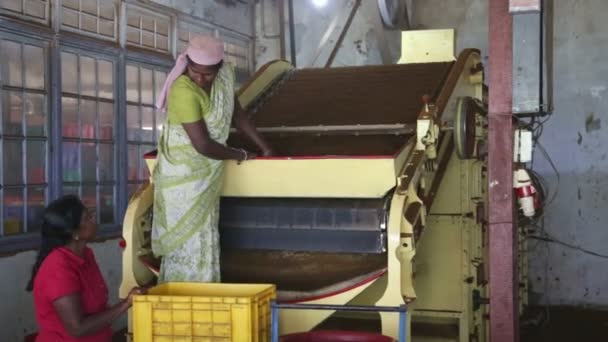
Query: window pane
<point x="12" y="162"/>
<point x="73" y="4"/>
<point x="147" y="86"/>
<point x="106" y="162"/>
<point x="132" y="84"/>
<point x="12" y="114"/>
<point x="35" y="8"/>
<point x="133" y="162"/>
<point x="106" y="205"/>
<point x="87" y="76"/>
<point x="36" y="199"/>
<point x="133" y="35"/>
<point x="88" y="23"/>
<point x="159" y="81"/>
<point x="147" y="124"/>
<point x="35" y="114"/>
<point x="36" y="162"/>
<point x="89" y="197"/>
<point x="147" y="39"/>
<point x="88" y="119"/>
<point x="71" y="190"/>
<point x="89" y="162"/>
<point x="106" y="79"/>
<point x="33" y="58"/>
<point x="106" y="28"/>
<point x="69" y="117"/>
<point x="12" y="5"/>
<point x="69" y="73"/>
<point x="70" y="18"/>
<point x="133" y="123"/>
<point x="106" y="10"/>
<point x="89" y="6"/>
<point x="11" y="62"/>
<point x="106" y="120"/>
<point x="13" y="211"/>
<point x="71" y="163"/>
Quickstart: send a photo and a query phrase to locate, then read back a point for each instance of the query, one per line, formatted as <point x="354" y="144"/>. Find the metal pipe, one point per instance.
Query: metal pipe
<point x="281" y="6"/>
<point x="349" y="21"/>
<point x="292" y="34"/>
<point x="357" y="308"/>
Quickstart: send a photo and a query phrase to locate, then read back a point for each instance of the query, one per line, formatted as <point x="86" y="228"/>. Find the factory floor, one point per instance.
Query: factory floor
<point x="561" y="324"/>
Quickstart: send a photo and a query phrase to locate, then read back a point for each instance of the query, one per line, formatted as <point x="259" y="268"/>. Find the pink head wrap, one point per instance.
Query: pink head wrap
<point x="203" y="50"/>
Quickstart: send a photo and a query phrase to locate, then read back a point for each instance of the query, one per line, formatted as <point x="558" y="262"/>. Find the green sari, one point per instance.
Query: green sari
<point x="187" y="184"/>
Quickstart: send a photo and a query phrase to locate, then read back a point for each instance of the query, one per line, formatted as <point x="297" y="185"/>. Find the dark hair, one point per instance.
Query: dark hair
<point x="215" y="67"/>
<point x="59" y="222"/>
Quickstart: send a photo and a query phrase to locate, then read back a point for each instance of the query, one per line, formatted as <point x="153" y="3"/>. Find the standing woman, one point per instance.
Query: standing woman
<point x="200" y="101"/>
<point x="70" y="294"/>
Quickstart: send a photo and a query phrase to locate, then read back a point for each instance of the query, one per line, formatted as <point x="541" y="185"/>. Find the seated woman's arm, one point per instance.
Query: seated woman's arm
<point x="77" y="324"/>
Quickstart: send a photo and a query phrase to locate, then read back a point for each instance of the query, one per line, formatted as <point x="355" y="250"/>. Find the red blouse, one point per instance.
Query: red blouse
<point x="64" y="273"/>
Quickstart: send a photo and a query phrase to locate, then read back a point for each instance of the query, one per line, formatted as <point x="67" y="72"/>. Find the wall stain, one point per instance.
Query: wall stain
<point x="592" y="124"/>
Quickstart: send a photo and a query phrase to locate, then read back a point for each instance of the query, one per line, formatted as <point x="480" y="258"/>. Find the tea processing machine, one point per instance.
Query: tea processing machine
<point x="376" y="196"/>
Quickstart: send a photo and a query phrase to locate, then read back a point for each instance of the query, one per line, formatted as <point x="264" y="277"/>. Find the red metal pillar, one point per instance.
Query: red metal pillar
<point x="504" y="325"/>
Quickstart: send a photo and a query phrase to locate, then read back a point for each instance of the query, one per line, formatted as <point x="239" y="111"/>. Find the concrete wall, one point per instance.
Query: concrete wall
<point x="361" y="45"/>
<point x="17" y="313"/>
<point x="575" y="138"/>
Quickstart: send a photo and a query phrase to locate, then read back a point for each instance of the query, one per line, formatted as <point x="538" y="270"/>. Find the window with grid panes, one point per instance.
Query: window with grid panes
<point x="144" y="122"/>
<point x="96" y="18"/>
<point x="88" y="117"/>
<point x="148" y="29"/>
<point x="23" y="136"/>
<point x="31" y="10"/>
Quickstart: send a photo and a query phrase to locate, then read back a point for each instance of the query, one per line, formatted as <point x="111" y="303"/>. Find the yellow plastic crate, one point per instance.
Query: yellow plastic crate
<point x="203" y="312"/>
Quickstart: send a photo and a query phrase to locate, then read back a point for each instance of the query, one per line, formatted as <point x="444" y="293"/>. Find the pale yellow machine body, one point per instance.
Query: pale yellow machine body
<point x="429" y="252"/>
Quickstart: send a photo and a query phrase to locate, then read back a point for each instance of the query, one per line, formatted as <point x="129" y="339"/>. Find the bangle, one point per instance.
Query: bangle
<point x="244" y="154"/>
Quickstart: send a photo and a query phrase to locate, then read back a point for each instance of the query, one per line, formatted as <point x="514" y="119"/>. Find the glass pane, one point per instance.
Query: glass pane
<point x="133" y="35"/>
<point x="69" y="117"/>
<point x="71" y="164"/>
<point x="132" y="83"/>
<point x="35" y="8"/>
<point x="89" y="6"/>
<point x="33" y="58"/>
<point x="69" y="73"/>
<point x="12" y="162"/>
<point x="147" y="24"/>
<point x="162" y="27"/>
<point x="12" y="5"/>
<point x="133" y="19"/>
<point x="106" y="79"/>
<point x="159" y="81"/>
<point x="11" y="63"/>
<point x="12" y="114"/>
<point x="36" y="162"/>
<point x="106" y="10"/>
<point x="73" y="4"/>
<point x="106" y="205"/>
<point x="87" y="76"/>
<point x="70" y="18"/>
<point x="133" y="123"/>
<point x="88" y="119"/>
<point x="147" y="39"/>
<point x="106" y="162"/>
<point x="89" y="162"/>
<point x="133" y="162"/>
<point x="147" y="124"/>
<point x="88" y="23"/>
<point x="71" y="190"/>
<point x="162" y="42"/>
<point x="147" y="86"/>
<point x="106" y="120"/>
<point x="13" y="211"/>
<point x="35" y="115"/>
<point x="89" y="197"/>
<point x="36" y="199"/>
<point x="106" y="28"/>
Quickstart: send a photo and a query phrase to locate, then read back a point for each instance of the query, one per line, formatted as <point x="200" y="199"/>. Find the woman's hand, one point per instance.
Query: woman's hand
<point x="135" y="291"/>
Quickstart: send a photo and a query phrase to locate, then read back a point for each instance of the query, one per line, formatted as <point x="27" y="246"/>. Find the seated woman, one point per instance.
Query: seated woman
<point x="70" y="294"/>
